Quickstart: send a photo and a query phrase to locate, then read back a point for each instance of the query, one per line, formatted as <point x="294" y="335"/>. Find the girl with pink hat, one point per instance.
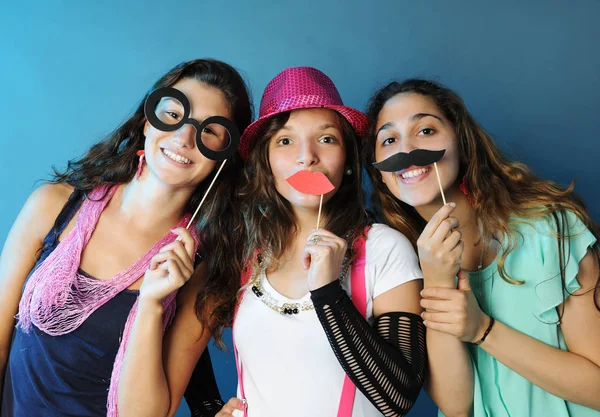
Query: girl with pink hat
<point x="328" y="320"/>
<point x="510" y="265"/>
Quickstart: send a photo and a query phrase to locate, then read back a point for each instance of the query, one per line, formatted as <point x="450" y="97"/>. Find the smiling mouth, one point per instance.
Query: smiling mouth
<point x="175" y="157"/>
<point x="414" y="172"/>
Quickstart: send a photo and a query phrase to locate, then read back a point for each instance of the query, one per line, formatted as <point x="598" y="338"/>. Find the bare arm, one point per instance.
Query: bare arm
<point x="18" y="256"/>
<point x="454" y="399"/>
<point x="573" y="375"/>
<point x="156" y="370"/>
<point x="450" y="383"/>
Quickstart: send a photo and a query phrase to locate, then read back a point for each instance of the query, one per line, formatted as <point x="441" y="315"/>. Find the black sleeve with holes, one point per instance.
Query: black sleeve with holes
<point x="202" y="394"/>
<point x="387" y="361"/>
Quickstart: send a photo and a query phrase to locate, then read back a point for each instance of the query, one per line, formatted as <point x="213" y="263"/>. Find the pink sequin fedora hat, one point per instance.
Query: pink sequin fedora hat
<point x="299" y="88"/>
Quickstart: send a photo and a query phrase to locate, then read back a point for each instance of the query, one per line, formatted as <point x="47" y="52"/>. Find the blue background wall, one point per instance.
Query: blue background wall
<point x="528" y="70"/>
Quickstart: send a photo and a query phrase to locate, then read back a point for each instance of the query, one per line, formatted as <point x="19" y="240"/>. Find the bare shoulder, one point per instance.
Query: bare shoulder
<point x="26" y="237"/>
<point x="43" y="206"/>
<point x="589" y="272"/>
<point x="52" y="193"/>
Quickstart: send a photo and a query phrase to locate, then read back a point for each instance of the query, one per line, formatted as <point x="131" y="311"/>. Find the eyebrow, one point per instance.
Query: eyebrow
<point x="169" y="100"/>
<point x="422" y="115"/>
<point x="328" y="126"/>
<point x="417" y="116"/>
<point x="385" y="126"/>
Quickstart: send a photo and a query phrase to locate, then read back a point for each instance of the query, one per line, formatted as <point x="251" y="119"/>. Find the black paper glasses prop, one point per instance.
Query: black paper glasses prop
<point x="168" y="109"/>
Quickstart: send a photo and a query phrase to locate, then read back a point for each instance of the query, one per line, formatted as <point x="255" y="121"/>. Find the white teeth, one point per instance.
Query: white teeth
<point x="176" y="157"/>
<point x="414" y="172"/>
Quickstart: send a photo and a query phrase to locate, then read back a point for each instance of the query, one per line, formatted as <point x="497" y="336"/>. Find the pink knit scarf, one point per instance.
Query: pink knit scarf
<point x="58" y="299"/>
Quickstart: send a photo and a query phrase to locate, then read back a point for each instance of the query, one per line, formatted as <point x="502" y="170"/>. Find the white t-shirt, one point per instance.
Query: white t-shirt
<point x="288" y="364"/>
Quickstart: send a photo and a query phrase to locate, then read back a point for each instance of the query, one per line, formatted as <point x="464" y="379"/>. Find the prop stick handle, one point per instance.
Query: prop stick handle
<point x="205" y="195"/>
<point x="319" y="216"/>
<point x="437" y="173"/>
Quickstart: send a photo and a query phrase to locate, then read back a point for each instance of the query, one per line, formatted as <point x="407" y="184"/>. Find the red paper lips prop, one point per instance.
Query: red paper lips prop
<point x="314" y="183"/>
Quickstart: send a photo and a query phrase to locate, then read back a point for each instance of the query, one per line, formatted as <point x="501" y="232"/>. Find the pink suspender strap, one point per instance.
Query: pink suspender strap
<point x="358" y="287"/>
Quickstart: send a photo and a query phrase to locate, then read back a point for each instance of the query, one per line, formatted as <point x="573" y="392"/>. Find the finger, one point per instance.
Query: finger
<point x="158" y="259"/>
<point x="306" y="258"/>
<point x="183" y="255"/>
<point x="317" y="238"/>
<point x="438" y="305"/>
<point x="444" y="229"/>
<point x="438" y="317"/>
<point x="176" y="273"/>
<point x="451" y="241"/>
<point x="311" y="251"/>
<point x="185" y="267"/>
<point x="232" y="405"/>
<point x="323" y="249"/>
<point x="340" y="243"/>
<point x="188" y="241"/>
<point x="179" y="249"/>
<point x="325" y="234"/>
<point x="236" y="403"/>
<point x="440" y="293"/>
<point x="458" y="250"/>
<point x="440" y="327"/>
<point x="437" y="218"/>
<point x="463" y="281"/>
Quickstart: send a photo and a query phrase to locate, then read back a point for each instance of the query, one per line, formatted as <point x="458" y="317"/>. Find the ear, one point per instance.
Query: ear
<point x="382" y="177"/>
<point x="146" y="126"/>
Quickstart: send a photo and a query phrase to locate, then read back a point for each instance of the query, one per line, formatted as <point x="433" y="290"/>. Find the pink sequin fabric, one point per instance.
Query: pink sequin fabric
<point x="299" y="88"/>
<point x="57" y="299"/>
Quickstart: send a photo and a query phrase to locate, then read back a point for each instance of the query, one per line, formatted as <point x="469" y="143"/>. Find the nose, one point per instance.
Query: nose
<point x="407" y="145"/>
<point x="307" y="155"/>
<point x="185" y="136"/>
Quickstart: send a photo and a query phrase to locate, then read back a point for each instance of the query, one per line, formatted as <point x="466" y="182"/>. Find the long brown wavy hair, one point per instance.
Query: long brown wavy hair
<point x="504" y="192"/>
<point x="114" y="161"/>
<point x="269" y="218"/>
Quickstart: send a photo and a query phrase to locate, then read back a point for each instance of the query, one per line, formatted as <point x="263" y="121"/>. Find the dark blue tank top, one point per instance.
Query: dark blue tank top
<point x="66" y="375"/>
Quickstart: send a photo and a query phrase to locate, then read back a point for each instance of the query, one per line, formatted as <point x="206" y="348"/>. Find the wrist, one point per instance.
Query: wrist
<point x="150" y="305"/>
<point x="327" y="293"/>
<point x="484" y="330"/>
<point x="433" y="280"/>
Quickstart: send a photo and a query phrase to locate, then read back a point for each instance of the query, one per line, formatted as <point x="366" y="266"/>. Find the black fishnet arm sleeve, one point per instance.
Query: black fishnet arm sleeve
<point x="387" y="362"/>
<point x="202" y="393"/>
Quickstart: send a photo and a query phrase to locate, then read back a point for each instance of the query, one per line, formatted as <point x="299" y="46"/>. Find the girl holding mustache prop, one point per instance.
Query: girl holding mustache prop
<point x="517" y="333"/>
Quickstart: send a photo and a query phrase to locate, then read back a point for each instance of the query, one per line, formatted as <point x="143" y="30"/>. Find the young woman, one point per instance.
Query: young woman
<point x="89" y="333"/>
<point x="518" y="333"/>
<point x="302" y="342"/>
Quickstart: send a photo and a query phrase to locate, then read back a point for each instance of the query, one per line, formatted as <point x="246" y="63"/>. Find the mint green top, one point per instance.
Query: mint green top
<point x="531" y="309"/>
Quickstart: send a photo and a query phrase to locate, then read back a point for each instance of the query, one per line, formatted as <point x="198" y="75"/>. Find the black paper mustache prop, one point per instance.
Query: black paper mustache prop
<point x="401" y="160"/>
<point x="416" y="157"/>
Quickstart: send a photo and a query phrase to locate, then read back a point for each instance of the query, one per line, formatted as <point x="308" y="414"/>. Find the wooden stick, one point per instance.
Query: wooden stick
<point x="439" y="182"/>
<point x="319" y="216"/>
<point x="205" y="194"/>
